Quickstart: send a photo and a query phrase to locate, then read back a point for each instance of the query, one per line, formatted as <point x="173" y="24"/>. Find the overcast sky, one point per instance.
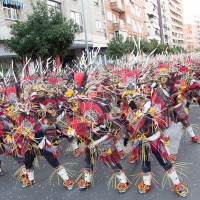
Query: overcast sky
<point x="190" y="7"/>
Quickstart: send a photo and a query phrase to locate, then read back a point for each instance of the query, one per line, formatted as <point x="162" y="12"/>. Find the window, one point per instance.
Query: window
<point x="137" y="11"/>
<point x="134" y="25"/>
<point x="98" y="25"/>
<point x="54" y="5"/>
<point x="128" y="20"/>
<point x="109" y="16"/>
<point x="132" y="8"/>
<point x="111" y="36"/>
<point x="114" y="18"/>
<point x="140" y="10"/>
<point x="12" y="10"/>
<point x="76" y="16"/>
<point x="139" y="27"/>
<point x="127" y="2"/>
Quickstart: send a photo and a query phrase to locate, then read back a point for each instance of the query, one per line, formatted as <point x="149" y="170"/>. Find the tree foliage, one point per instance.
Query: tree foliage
<point x="44" y="34"/>
<point x="118" y="47"/>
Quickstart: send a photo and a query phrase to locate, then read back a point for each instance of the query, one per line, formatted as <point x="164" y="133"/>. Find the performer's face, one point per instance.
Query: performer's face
<point x="163" y="79"/>
<point x="41" y="93"/>
<point x="140" y="102"/>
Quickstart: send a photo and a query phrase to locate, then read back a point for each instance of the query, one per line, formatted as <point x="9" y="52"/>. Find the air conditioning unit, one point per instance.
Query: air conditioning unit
<point x="80" y="29"/>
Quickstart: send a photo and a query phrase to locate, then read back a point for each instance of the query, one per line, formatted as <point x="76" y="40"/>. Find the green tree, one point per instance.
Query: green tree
<point x="44" y="34"/>
<point x="179" y="49"/>
<point x="116" y="47"/>
<point x="129" y="46"/>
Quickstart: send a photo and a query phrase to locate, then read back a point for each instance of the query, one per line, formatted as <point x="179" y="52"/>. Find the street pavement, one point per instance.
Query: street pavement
<point x="187" y="153"/>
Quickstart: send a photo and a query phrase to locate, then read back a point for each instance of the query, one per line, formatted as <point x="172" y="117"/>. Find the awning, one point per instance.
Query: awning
<point x="13" y="3"/>
<point x="80" y="45"/>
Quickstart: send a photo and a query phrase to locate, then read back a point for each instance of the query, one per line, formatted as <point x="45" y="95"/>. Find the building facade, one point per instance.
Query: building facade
<point x="176" y="20"/>
<point x="165" y="22"/>
<point x="125" y="17"/>
<point x="197" y="31"/>
<point x="189" y="37"/>
<point x="170" y="19"/>
<point x="152" y="20"/>
<point x="10" y="11"/>
<point x="95" y="22"/>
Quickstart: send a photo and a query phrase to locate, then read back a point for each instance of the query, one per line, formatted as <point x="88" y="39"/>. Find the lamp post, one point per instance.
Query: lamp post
<point x="85" y="30"/>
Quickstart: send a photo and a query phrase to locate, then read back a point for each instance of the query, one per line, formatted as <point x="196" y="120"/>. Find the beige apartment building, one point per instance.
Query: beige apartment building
<point x="171" y="22"/>
<point x="197" y="31"/>
<point x="152" y="20"/>
<point x="125" y="17"/>
<point x="166" y="26"/>
<point x="189" y="37"/>
<point x="176" y="15"/>
<point x="95" y="18"/>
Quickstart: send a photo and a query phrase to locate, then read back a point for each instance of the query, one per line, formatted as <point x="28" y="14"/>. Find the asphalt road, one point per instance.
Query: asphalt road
<point x="188" y="152"/>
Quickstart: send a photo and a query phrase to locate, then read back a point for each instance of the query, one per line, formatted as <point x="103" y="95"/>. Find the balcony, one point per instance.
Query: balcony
<point x="175" y="10"/>
<point x="177" y="30"/>
<point x="117" y="6"/>
<point x="153" y="35"/>
<point x="155" y="24"/>
<point x="154" y="2"/>
<point x="118" y="25"/>
<point x="177" y="1"/>
<point x="177" y="37"/>
<point x="178" y="18"/>
<point x="152" y="12"/>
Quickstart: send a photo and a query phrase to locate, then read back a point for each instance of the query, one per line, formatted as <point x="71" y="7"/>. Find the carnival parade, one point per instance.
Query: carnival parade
<point x="96" y="111"/>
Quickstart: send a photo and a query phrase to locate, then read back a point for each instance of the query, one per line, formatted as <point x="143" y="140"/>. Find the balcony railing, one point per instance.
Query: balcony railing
<point x="117" y="6"/>
<point x="118" y="25"/>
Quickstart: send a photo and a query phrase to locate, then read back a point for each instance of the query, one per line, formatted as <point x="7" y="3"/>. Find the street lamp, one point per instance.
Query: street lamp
<point x="86" y="40"/>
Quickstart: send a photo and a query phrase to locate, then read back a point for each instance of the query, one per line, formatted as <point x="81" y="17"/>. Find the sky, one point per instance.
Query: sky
<point x="190" y="7"/>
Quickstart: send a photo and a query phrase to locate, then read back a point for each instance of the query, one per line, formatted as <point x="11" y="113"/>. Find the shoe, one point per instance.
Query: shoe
<point x="27" y="183"/>
<point x="2" y="173"/>
<point x="196" y="139"/>
<point x="181" y="190"/>
<point x="133" y="159"/>
<point x="69" y="184"/>
<point x="143" y="188"/>
<point x="77" y="153"/>
<point x="123" y="187"/>
<point x="122" y="155"/>
<point x="172" y="158"/>
<point x="166" y="140"/>
<point x="83" y="184"/>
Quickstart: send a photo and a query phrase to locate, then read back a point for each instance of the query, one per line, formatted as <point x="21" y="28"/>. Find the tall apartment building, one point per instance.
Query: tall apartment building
<point x="189" y="37"/>
<point x="95" y="18"/>
<point x="10" y="11"/>
<point x="165" y="22"/>
<point x="125" y="17"/>
<point x="197" y="31"/>
<point x="167" y="14"/>
<point x="176" y="20"/>
<point x="152" y="20"/>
